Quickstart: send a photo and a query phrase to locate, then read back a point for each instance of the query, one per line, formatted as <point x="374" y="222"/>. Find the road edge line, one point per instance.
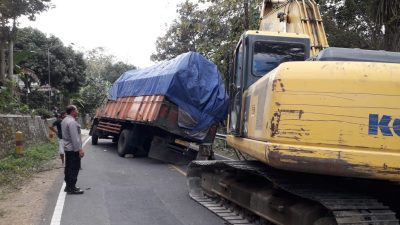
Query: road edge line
<point x="178" y="170"/>
<point x="86" y="141"/>
<point x="56" y="218"/>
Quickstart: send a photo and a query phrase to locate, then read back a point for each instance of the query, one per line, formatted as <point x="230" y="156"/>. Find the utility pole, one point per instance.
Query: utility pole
<point x="48" y="68"/>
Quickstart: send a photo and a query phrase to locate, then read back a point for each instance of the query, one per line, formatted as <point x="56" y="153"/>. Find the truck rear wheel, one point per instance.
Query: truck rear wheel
<point x="125" y="142"/>
<point x="95" y="135"/>
<point x="133" y="141"/>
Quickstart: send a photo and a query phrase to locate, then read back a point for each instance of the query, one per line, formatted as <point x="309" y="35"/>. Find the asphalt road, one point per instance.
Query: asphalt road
<point x="139" y="191"/>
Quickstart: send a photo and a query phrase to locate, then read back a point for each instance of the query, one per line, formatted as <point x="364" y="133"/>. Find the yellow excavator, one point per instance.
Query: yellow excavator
<point x="321" y="126"/>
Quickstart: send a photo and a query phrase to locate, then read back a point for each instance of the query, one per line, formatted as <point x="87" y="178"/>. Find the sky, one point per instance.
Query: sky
<point x="127" y="29"/>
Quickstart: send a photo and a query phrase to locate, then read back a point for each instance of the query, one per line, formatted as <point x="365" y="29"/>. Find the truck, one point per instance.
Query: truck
<point x="320" y="128"/>
<point x="169" y="111"/>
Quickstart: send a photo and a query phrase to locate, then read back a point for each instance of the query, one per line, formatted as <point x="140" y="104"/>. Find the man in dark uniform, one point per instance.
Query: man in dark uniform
<point x="57" y="125"/>
<point x="71" y="131"/>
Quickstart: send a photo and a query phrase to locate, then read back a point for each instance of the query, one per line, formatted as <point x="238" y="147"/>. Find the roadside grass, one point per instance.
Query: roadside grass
<point x="16" y="169"/>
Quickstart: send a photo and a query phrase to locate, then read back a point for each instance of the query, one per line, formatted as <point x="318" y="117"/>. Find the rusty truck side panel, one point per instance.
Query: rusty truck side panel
<point x="140" y="108"/>
<point x="154" y="110"/>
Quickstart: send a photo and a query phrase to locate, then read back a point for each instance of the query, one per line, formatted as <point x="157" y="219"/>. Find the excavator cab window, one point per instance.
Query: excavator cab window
<point x="268" y="55"/>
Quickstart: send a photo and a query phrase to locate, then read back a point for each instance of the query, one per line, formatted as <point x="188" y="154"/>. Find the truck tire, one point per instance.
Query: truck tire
<point x="143" y="146"/>
<point x="125" y="144"/>
<point x="95" y="135"/>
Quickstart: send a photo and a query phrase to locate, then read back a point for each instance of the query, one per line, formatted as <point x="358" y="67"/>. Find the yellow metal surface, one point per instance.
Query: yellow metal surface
<point x="339" y="118"/>
<point x="19" y="144"/>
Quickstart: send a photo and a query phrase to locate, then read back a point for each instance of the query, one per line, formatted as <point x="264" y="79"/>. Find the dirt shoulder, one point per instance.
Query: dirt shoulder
<point x="27" y="204"/>
<point x="32" y="203"/>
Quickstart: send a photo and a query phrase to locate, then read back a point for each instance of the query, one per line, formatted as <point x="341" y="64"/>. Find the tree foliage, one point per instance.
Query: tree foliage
<point x="105" y="66"/>
<point x="10" y="11"/>
<point x="210" y="27"/>
<point x="367" y="24"/>
<point x="92" y="95"/>
<point x="67" y="67"/>
<point x="387" y="13"/>
<point x="102" y="70"/>
<point x="45" y="57"/>
<point x="348" y="24"/>
<point x="13" y="9"/>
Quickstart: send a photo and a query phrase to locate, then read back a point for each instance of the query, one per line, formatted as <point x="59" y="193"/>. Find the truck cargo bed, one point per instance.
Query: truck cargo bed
<point x="154" y="111"/>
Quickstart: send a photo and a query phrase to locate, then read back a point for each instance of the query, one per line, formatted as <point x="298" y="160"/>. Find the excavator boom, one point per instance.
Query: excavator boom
<point x="293" y="16"/>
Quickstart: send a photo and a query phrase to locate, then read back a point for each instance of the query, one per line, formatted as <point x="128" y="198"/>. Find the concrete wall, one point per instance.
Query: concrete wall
<point x="34" y="129"/>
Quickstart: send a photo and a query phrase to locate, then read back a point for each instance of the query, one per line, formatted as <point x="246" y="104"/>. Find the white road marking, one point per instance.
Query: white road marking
<point x="86" y="141"/>
<point x="179" y="170"/>
<point x="56" y="219"/>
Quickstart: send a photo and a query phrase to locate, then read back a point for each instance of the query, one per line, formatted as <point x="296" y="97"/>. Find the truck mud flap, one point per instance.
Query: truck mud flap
<point x="163" y="150"/>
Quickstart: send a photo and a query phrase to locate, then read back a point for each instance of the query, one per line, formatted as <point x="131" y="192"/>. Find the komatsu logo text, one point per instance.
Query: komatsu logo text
<point x="386" y="124"/>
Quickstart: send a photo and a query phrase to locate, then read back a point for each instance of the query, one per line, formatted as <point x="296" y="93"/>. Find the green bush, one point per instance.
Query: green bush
<point x="14" y="169"/>
<point x="44" y="113"/>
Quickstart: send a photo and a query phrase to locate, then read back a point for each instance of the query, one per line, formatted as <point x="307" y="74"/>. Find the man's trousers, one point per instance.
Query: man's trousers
<point x="72" y="166"/>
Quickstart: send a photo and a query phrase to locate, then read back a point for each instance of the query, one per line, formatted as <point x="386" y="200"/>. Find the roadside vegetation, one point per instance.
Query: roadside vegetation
<point x="14" y="169"/>
<point x="39" y="73"/>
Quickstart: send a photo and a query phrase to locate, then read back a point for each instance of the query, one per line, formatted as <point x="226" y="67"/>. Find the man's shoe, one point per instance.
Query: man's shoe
<point x="75" y="192"/>
<point x="66" y="189"/>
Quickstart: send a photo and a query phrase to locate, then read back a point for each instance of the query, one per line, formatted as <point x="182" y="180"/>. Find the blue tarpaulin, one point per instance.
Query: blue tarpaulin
<point x="190" y="81"/>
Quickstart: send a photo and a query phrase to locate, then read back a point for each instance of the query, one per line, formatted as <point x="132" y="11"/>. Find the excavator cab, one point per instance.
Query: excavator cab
<point x="258" y="53"/>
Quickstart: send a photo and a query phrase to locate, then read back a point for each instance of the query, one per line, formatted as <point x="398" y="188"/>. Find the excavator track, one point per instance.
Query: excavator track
<point x="345" y="205"/>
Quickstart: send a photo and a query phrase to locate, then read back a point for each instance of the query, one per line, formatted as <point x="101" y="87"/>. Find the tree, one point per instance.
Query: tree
<point x="92" y="95"/>
<point x="386" y="14"/>
<point x="67" y="67"/>
<point x="367" y="24"/>
<point x="348" y="24"/>
<point x="102" y="70"/>
<point x="10" y="11"/>
<point x="104" y="66"/>
<point x="114" y="70"/>
<point x="210" y="27"/>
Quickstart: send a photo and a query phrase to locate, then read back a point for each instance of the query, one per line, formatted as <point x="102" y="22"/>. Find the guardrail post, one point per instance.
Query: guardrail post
<point x="19" y="143"/>
<point x="51" y="135"/>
